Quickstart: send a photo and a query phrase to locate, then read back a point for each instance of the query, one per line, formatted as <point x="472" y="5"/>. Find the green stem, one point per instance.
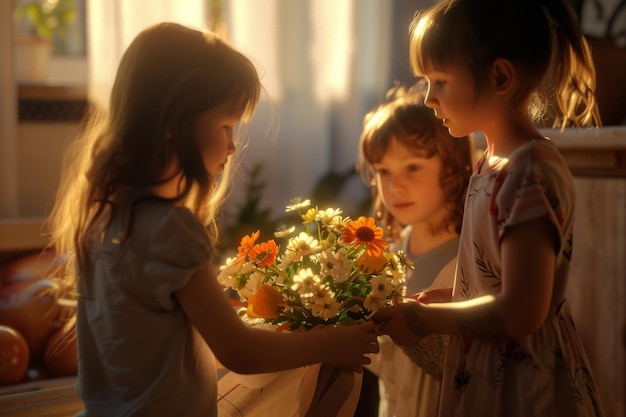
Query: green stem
<point x="350" y="299"/>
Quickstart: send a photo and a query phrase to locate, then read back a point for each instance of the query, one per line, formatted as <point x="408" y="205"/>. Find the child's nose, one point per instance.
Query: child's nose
<point x="231" y="148"/>
<point x="396" y="185"/>
<point x="430" y="99"/>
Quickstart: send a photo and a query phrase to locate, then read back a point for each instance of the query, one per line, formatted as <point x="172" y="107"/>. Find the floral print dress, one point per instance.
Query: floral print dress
<point x="542" y="374"/>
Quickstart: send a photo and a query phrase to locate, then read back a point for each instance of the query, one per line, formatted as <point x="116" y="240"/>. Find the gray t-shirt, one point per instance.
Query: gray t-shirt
<point x="429" y="265"/>
<point x="138" y="352"/>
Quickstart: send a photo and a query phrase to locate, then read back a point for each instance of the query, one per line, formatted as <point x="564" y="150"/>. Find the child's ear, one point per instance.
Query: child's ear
<point x="503" y="75"/>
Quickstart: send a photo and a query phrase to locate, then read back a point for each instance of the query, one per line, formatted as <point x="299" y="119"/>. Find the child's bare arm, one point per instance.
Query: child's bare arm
<point x="249" y="350"/>
<point x="528" y="262"/>
<point x="437" y="295"/>
<point x="528" y="255"/>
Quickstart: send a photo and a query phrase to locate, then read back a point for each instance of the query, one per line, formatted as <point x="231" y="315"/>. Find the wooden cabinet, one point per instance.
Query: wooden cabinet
<point x="597" y="286"/>
<point x="18" y="236"/>
<point x="49" y="398"/>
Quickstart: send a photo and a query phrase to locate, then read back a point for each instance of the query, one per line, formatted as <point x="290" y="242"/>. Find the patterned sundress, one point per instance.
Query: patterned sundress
<point x="546" y="373"/>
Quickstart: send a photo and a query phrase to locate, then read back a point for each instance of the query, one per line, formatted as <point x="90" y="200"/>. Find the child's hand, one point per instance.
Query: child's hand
<point x="350" y="344"/>
<point x="399" y="322"/>
<point x="437" y="295"/>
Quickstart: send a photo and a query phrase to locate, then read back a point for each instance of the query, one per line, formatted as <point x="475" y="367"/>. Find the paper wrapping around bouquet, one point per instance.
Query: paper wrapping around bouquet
<point x="328" y="391"/>
<point x="260" y="395"/>
<point x="313" y="391"/>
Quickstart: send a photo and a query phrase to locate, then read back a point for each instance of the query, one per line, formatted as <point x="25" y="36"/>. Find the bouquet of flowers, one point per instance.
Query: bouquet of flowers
<point x="334" y="271"/>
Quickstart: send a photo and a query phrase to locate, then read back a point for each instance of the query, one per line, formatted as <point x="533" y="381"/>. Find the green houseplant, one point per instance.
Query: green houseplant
<point x="41" y="26"/>
<point x="46" y="19"/>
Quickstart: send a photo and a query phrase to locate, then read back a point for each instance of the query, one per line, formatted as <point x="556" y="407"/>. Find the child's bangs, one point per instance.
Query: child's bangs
<point x="432" y="46"/>
<point x="245" y="104"/>
<point x="420" y="144"/>
<point x="377" y="133"/>
<point x="250" y="93"/>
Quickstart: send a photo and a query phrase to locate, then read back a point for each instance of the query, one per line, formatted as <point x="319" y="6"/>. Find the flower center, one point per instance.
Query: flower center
<point x="365" y="234"/>
<point x="302" y="247"/>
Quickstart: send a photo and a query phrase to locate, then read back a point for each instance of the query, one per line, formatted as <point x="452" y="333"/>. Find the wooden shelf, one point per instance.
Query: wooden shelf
<point x="52" y="92"/>
<point x="51" y="103"/>
<point x="51" y="398"/>
<point x="592" y="152"/>
<point x="19" y="236"/>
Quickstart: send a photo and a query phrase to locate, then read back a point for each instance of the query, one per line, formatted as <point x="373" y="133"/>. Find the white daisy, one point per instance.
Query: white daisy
<point x="329" y="216"/>
<point x="252" y="284"/>
<point x="302" y="245"/>
<point x="374" y="301"/>
<point x="381" y="285"/>
<point x="326" y="307"/>
<point x="335" y="264"/>
<point x="297" y="204"/>
<point x="230" y="271"/>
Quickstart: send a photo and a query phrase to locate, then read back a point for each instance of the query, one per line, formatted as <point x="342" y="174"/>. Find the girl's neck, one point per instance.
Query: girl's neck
<point x="501" y="142"/>
<point x="165" y="190"/>
<point x="173" y="186"/>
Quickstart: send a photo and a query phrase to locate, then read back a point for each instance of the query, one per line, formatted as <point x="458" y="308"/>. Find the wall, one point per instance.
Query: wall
<point x="39" y="157"/>
<point x="36" y="123"/>
<point x="597" y="286"/>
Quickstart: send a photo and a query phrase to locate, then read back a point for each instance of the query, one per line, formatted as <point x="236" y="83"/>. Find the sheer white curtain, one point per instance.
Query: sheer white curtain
<point x="113" y="24"/>
<point x="324" y="64"/>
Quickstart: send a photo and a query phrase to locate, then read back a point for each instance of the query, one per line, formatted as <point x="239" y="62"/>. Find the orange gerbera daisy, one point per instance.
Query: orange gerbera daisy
<point x="363" y="231"/>
<point x="246" y="245"/>
<point x="264" y="253"/>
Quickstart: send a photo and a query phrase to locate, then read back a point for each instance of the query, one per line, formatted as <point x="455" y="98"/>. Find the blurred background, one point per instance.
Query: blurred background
<point x="324" y="64"/>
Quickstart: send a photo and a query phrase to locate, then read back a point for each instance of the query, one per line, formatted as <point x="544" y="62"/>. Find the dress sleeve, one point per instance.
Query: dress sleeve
<point x="535" y="184"/>
<point x="179" y="245"/>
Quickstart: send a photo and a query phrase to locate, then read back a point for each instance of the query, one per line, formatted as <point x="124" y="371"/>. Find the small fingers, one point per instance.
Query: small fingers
<point x="374" y="347"/>
<point x="438" y="295"/>
<point x="382" y="315"/>
<point x="368" y="327"/>
<point x="359" y="366"/>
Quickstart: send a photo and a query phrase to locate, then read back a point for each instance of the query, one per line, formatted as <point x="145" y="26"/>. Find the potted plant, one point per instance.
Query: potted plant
<point x="38" y="23"/>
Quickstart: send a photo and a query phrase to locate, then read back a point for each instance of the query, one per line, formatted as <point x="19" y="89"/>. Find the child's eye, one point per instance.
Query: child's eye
<point x="413" y="168"/>
<point x="381" y="172"/>
<point x="435" y="82"/>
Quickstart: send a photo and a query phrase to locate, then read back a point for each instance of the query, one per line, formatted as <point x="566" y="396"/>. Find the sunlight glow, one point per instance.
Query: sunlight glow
<point x="254" y="31"/>
<point x="113" y="25"/>
<point x="332" y="48"/>
<point x="276" y="44"/>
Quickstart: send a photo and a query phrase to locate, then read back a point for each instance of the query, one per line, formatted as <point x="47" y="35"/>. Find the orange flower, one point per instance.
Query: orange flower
<point x="264" y="253"/>
<point x="266" y="303"/>
<point x="364" y="231"/>
<point x="246" y="245"/>
<point x="371" y="264"/>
